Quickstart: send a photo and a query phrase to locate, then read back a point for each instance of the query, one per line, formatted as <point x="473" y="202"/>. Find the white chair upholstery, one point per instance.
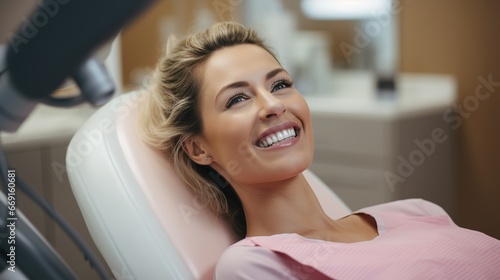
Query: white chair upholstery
<point x="144" y="221"/>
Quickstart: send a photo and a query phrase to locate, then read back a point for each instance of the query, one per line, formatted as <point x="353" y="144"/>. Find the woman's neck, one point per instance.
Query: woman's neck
<point x="288" y="206"/>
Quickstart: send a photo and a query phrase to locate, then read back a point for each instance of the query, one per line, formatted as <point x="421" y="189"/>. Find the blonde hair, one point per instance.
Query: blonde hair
<point x="171" y="113"/>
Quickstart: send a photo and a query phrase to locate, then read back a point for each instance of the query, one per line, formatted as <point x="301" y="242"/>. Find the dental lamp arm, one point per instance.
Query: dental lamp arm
<point x="54" y="44"/>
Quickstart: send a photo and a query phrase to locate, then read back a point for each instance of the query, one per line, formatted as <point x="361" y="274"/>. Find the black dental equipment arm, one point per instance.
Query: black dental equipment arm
<point x="53" y="44"/>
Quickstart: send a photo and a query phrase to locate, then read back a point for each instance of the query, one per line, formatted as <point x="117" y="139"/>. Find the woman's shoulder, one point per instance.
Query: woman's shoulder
<point x="407" y="207"/>
<point x="245" y="261"/>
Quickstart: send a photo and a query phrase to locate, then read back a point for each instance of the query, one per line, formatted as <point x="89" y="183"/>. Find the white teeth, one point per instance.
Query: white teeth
<point x="280" y="136"/>
<point x="286" y="133"/>
<point x="277" y="137"/>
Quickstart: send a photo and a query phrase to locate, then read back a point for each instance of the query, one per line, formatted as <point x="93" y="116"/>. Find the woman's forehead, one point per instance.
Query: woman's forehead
<point x="236" y="63"/>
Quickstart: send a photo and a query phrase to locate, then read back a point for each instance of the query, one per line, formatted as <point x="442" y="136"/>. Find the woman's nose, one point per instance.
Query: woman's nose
<point x="270" y="105"/>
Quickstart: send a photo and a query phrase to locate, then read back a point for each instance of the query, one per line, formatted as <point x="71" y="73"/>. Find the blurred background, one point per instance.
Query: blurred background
<point x="404" y="97"/>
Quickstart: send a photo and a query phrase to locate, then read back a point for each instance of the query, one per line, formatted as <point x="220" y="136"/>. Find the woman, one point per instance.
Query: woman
<point x="227" y="115"/>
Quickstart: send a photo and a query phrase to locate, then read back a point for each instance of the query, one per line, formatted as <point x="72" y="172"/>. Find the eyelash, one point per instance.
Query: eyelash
<point x="282" y="81"/>
<point x="231" y="100"/>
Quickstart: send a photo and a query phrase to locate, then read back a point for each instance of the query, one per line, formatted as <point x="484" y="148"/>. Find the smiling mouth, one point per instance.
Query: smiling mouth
<point x="277" y="137"/>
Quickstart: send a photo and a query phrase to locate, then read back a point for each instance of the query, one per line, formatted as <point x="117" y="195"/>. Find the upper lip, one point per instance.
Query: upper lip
<point x="276" y="128"/>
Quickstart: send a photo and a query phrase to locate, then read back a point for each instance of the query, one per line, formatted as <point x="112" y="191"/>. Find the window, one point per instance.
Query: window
<point x="343" y="9"/>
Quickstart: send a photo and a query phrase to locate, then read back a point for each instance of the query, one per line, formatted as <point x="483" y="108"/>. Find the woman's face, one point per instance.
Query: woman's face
<point x="256" y="125"/>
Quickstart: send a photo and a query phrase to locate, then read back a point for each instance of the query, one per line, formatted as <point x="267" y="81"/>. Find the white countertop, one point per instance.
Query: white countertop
<point x="354" y="95"/>
<point x="46" y="125"/>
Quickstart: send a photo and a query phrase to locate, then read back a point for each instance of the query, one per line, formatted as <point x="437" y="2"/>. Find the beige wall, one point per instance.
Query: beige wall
<point x="142" y="42"/>
<point x="12" y="15"/>
<point x="461" y="37"/>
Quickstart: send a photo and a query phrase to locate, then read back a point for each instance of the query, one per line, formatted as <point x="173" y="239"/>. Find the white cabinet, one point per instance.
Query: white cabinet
<point x="373" y="151"/>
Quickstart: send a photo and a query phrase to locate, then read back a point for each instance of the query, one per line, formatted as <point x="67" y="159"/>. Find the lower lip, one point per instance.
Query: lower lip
<point x="283" y="144"/>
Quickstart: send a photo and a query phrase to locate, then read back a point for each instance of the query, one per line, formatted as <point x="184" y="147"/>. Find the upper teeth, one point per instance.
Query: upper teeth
<point x="277" y="137"/>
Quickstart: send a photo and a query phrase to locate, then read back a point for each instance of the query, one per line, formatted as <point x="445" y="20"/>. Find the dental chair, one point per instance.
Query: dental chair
<point x="145" y="222"/>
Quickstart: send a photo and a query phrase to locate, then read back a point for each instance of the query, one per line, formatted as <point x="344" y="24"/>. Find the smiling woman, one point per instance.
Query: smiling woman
<point x="221" y="105"/>
<point x="173" y="120"/>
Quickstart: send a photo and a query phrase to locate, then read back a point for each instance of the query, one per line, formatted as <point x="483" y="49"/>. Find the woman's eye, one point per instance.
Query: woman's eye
<point x="281" y="84"/>
<point x="235" y="99"/>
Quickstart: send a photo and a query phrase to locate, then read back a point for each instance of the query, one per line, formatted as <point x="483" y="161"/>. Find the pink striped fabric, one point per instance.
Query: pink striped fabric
<point x="417" y="240"/>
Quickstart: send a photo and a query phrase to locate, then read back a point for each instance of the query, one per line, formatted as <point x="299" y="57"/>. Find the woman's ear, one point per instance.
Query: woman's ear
<point x="194" y="149"/>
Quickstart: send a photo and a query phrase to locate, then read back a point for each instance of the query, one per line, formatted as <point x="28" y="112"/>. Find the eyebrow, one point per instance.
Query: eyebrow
<point x="240" y="84"/>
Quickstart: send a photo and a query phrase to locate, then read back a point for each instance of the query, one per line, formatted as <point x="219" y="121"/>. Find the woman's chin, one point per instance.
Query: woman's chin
<point x="279" y="171"/>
